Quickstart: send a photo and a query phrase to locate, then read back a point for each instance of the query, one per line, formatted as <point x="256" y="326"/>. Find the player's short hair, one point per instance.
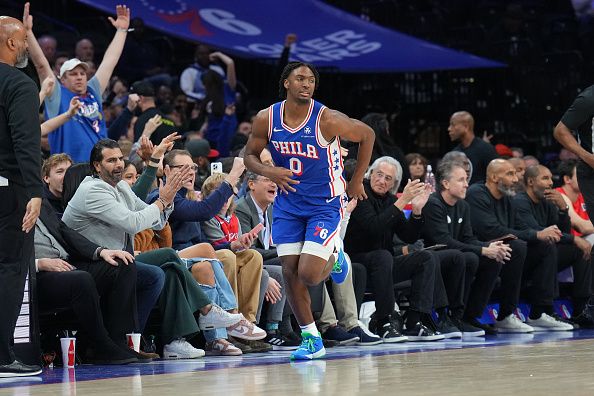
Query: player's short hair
<point x="282" y="92"/>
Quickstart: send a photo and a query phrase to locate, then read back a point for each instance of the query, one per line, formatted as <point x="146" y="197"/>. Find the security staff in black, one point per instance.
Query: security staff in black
<point x="20" y="185"/>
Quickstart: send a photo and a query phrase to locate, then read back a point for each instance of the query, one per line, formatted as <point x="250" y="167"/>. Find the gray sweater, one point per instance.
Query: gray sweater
<point x="110" y="216"/>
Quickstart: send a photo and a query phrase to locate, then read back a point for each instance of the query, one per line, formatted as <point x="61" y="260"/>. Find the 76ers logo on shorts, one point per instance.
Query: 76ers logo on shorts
<point x="321" y="231"/>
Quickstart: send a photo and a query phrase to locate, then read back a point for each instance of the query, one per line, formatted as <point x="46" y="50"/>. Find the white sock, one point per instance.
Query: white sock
<point x="311" y="329"/>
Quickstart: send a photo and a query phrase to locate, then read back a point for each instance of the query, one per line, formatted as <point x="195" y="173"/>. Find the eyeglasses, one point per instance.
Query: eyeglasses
<point x="193" y="167"/>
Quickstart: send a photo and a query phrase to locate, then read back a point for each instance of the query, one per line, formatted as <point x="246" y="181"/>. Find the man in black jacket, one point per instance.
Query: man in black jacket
<point x="447" y="221"/>
<point x="73" y="272"/>
<point x="540" y="207"/>
<point x="20" y="186"/>
<point x="369" y="241"/>
<point x="493" y="217"/>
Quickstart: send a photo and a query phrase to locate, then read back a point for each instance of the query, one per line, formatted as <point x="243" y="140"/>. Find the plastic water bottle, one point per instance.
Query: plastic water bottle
<point x="430" y="178"/>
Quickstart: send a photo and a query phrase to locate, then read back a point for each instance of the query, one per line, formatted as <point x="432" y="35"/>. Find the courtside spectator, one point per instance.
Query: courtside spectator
<point x="77" y="136"/>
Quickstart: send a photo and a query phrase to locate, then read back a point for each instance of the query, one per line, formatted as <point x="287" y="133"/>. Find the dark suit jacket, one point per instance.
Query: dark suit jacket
<point x="77" y="246"/>
<point x="248" y="218"/>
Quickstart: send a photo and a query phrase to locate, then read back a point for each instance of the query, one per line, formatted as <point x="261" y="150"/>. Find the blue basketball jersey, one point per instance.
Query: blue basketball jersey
<point x="316" y="163"/>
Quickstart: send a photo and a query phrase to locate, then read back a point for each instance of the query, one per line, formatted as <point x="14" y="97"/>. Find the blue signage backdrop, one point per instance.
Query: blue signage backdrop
<point x="328" y="37"/>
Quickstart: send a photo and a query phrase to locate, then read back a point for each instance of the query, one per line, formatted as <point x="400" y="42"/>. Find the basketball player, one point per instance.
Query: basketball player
<point x="304" y="138"/>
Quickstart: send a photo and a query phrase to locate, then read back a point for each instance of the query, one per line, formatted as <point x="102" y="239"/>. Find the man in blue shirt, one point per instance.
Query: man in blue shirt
<point x="77" y="136"/>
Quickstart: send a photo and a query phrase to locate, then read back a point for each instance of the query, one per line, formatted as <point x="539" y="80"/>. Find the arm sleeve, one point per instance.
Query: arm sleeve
<point x="144" y="183"/>
<point x="580" y="110"/>
<point x="525" y="219"/>
<point x="102" y="204"/>
<point x="215" y="235"/>
<point x="563" y="221"/>
<point x="94" y="85"/>
<point x="52" y="102"/>
<point x="186" y="210"/>
<point x="26" y="134"/>
<point x="374" y="224"/>
<point x="344" y="224"/>
<point x="119" y="126"/>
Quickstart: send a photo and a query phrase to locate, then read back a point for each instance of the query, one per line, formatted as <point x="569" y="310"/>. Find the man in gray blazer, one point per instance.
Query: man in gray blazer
<point x="106" y="211"/>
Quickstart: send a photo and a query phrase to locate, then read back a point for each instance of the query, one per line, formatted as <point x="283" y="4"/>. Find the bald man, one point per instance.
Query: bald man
<point x="20" y="185"/>
<point x="480" y="153"/>
<point x="542" y="208"/>
<point x="492" y="216"/>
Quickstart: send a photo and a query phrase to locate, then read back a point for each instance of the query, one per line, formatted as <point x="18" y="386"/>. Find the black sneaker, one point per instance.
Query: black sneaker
<point x="337" y="333"/>
<point x="420" y="332"/>
<point x="280" y="342"/>
<point x="365" y="338"/>
<point x="109" y="353"/>
<point x="467" y="329"/>
<point x="389" y="332"/>
<point x="18" y="369"/>
<point x="447" y="328"/>
<point x="488" y="329"/>
<point x="584" y="320"/>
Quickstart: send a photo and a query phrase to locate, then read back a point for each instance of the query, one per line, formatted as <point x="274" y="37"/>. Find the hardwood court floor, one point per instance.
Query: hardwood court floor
<point x="544" y="364"/>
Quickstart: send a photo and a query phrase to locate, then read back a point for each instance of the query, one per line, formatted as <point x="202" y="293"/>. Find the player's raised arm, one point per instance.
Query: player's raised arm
<point x="335" y="123"/>
<point x="256" y="143"/>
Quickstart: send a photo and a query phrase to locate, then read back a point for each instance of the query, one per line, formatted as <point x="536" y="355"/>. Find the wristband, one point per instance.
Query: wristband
<point x="154" y="160"/>
<point x="125" y="30"/>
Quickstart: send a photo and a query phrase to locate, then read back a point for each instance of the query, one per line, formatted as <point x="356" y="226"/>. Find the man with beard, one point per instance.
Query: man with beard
<point x="492" y="218"/>
<point x="541" y="206"/>
<point x="20" y="186"/>
<point x="77" y="136"/>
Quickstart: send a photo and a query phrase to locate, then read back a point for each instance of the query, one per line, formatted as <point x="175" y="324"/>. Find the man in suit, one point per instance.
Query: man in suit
<point x="256" y="207"/>
<point x="20" y="186"/>
<point x="73" y="273"/>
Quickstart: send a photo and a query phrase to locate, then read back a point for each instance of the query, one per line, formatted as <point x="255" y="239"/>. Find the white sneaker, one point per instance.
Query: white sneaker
<point x="246" y="330"/>
<point x="218" y="318"/>
<point x="548" y="323"/>
<point x="181" y="349"/>
<point x="512" y="324"/>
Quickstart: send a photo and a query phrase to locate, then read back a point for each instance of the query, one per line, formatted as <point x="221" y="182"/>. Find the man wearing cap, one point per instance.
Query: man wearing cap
<point x="146" y="110"/>
<point x="202" y="154"/>
<point x="77" y="136"/>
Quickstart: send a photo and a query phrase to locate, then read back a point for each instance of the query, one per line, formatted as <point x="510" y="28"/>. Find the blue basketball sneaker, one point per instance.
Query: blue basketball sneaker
<point x="340" y="269"/>
<point x="311" y="347"/>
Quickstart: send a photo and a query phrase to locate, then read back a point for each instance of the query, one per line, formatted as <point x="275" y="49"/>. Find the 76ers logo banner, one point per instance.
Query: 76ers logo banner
<point x="328" y="37"/>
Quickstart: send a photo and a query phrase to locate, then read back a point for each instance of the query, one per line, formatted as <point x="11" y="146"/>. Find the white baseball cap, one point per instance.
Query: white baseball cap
<point x="70" y="64"/>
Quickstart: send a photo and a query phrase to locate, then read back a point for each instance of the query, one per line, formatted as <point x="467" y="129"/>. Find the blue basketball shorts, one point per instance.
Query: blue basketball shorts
<point x="303" y="224"/>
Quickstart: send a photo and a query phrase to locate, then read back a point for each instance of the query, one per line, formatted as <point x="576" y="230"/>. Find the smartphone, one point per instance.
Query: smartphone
<point x="216" y="167"/>
<point x="256" y="230"/>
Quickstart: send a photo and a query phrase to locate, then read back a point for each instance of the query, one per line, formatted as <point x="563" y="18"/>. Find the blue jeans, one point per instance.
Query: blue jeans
<point x="149" y="283"/>
<point x="221" y="294"/>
